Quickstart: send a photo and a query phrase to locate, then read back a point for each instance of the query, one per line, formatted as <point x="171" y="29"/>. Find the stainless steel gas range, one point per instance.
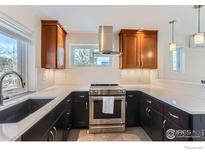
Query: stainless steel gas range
<point x="99" y="120"/>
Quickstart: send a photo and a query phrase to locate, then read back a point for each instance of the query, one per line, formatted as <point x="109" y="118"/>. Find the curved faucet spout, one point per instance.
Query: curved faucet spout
<point x="1" y="83"/>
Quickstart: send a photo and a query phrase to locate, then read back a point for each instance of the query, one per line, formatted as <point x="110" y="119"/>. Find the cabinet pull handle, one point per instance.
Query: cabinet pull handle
<point x="55" y="130"/>
<point x="163" y="124"/>
<point x="68" y="100"/>
<point x="139" y="63"/>
<point x="67" y="113"/>
<point x="148" y="101"/>
<point x="130" y="96"/>
<point x="86" y="105"/>
<point x="82" y="96"/>
<point x="52" y="135"/>
<point x="174" y="116"/>
<point x="148" y="110"/>
<point x="125" y="104"/>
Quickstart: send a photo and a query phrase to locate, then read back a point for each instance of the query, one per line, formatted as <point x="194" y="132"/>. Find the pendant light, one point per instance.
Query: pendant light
<point x="172" y="45"/>
<point x="198" y="37"/>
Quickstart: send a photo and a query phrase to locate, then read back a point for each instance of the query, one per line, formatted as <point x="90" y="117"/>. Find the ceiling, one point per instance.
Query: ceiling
<point x="88" y="18"/>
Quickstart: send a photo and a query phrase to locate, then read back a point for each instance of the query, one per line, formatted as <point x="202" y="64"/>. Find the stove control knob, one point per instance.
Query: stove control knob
<point x="120" y="91"/>
<point x="94" y="92"/>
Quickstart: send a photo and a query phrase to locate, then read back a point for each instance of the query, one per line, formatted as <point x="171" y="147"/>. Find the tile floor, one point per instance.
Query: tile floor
<point x="131" y="134"/>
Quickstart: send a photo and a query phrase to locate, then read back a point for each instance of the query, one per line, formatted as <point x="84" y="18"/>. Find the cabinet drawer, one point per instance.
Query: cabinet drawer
<point x="177" y="116"/>
<point x="80" y="96"/>
<point x="153" y="103"/>
<point x="131" y="95"/>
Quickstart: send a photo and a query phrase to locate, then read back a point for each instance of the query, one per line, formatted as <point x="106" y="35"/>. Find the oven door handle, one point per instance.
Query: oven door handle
<point x="101" y="97"/>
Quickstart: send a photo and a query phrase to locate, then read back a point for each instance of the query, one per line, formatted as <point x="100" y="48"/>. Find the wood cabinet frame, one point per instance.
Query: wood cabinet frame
<point x="53" y="36"/>
<point x="134" y="52"/>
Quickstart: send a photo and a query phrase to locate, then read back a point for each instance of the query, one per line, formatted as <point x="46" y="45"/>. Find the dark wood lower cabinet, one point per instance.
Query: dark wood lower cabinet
<point x="151" y="121"/>
<point x="52" y="127"/>
<point x="55" y="126"/>
<point x="161" y="121"/>
<point x="56" y="132"/>
<point x="171" y="130"/>
<point x="156" y="119"/>
<point x="80" y="110"/>
<point x="42" y="130"/>
<point x="145" y="118"/>
<point x="132" y="108"/>
<point x="156" y="123"/>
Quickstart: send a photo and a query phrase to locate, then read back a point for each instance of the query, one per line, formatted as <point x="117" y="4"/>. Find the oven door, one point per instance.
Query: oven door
<point x="96" y="116"/>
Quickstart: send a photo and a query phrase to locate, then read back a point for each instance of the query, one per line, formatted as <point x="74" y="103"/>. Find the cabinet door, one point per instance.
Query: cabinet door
<point x="156" y="125"/>
<point x="148" y="49"/>
<point x="80" y="108"/>
<point x="48" y="46"/>
<point x="59" y="129"/>
<point x="131" y="51"/>
<point x="80" y="114"/>
<point x="132" y="109"/>
<point x="169" y="131"/>
<point x="68" y="125"/>
<point x="60" y="48"/>
<point x="145" y="118"/>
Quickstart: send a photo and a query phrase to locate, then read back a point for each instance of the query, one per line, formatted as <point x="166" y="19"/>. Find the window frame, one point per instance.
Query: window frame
<point x="180" y="60"/>
<point x="71" y="59"/>
<point x="22" y="64"/>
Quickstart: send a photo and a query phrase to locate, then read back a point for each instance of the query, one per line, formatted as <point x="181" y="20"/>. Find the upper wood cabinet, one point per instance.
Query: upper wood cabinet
<point x="139" y="49"/>
<point x="52" y="45"/>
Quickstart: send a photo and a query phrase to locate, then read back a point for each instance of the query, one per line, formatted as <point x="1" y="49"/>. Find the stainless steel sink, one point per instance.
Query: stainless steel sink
<point x="20" y="111"/>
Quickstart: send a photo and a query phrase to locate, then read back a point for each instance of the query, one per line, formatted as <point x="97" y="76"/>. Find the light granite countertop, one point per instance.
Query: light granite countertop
<point x="13" y="131"/>
<point x="187" y="103"/>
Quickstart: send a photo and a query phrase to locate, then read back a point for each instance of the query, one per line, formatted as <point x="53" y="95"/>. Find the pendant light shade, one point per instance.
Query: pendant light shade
<point x="172" y="45"/>
<point x="198" y="37"/>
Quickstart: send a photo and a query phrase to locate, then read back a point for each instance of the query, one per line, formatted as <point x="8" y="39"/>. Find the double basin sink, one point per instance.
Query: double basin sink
<point x="20" y="111"/>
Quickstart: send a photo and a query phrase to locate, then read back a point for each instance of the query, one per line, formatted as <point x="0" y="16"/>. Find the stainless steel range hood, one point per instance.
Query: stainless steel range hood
<point x="106" y="40"/>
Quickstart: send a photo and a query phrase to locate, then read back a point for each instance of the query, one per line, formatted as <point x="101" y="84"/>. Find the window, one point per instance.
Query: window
<point x="87" y="55"/>
<point x="14" y="43"/>
<point x="178" y="60"/>
<point x="11" y="53"/>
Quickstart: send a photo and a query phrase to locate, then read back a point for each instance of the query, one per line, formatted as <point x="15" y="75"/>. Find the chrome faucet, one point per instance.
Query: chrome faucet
<point x="1" y="83"/>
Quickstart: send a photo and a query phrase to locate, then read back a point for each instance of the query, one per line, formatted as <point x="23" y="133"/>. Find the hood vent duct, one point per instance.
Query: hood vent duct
<point x="106" y="40"/>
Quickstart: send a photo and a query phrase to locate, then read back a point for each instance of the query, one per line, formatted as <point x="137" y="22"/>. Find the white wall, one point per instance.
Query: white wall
<point x="86" y="76"/>
<point x="185" y="26"/>
<point x="26" y="16"/>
